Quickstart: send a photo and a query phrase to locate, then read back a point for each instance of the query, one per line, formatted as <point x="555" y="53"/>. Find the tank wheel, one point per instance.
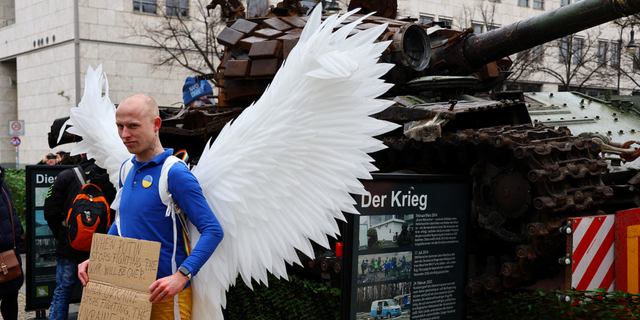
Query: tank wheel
<point x="389" y="315"/>
<point x="502" y="196"/>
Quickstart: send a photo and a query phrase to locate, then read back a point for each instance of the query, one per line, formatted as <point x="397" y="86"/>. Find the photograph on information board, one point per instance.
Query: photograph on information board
<point x="386" y="231"/>
<point x="390" y="266"/>
<point x="45" y="252"/>
<point x="42" y="228"/>
<point x="384" y="301"/>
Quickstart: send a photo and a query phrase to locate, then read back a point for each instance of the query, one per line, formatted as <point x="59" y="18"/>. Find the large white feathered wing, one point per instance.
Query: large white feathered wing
<point x="284" y="170"/>
<point x="95" y="121"/>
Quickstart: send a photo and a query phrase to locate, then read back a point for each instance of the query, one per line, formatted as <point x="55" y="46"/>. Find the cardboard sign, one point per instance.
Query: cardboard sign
<point x="120" y="273"/>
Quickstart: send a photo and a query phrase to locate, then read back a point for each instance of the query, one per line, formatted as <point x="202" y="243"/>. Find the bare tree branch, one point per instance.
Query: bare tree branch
<point x="186" y="41"/>
<point x="629" y="65"/>
<point x="574" y="62"/>
<point x="526" y="64"/>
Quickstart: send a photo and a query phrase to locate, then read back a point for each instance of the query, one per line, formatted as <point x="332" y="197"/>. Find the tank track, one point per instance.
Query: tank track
<point x="562" y="174"/>
<point x="527" y="179"/>
<point x="536" y="169"/>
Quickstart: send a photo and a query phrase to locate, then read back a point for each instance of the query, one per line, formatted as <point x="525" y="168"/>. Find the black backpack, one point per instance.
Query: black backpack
<point x="89" y="213"/>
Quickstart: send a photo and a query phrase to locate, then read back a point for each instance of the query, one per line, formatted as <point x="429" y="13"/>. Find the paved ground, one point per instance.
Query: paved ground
<point x="23" y="315"/>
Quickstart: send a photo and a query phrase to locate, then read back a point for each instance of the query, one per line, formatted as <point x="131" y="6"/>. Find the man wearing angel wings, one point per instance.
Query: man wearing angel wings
<point x="276" y="177"/>
<point x="143" y="212"/>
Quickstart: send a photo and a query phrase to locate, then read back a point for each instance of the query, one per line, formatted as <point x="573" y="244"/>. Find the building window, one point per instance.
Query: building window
<point x="565" y="2"/>
<point x="445" y="21"/>
<point x="615" y="54"/>
<point x="537" y="53"/>
<point x="563" y="45"/>
<point x="523" y="86"/>
<point x="593" y="92"/>
<point x="602" y="53"/>
<point x="538" y="4"/>
<point x="375" y="220"/>
<point x="492" y="27"/>
<point x="477" y="27"/>
<point x="147" y="6"/>
<point x="523" y="3"/>
<point x="578" y="54"/>
<point x="425" y="18"/>
<point x="533" y="54"/>
<point x="178" y="8"/>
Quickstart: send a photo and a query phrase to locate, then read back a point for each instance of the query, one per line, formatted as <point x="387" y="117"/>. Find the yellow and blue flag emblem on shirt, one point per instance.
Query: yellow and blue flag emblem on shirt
<point x="147" y="181"/>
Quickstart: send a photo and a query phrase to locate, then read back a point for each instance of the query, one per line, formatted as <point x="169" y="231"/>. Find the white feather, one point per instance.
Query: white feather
<point x="95" y="121"/>
<point x="281" y="173"/>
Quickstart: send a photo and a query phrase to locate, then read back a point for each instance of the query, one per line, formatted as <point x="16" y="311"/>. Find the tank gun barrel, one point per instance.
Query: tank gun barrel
<point x="476" y="50"/>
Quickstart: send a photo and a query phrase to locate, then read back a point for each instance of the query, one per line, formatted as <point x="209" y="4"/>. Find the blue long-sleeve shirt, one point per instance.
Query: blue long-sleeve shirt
<point x="142" y="213"/>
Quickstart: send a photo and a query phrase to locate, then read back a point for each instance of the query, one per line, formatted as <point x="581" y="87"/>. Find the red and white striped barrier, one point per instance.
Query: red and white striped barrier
<point x="592" y="252"/>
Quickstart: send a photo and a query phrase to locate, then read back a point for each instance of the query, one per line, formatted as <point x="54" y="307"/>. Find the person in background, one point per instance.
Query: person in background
<point x="394" y="265"/>
<point x="56" y="207"/>
<point x="405" y="239"/>
<point x="375" y="267"/>
<point x="196" y="93"/>
<point x="62" y="157"/>
<point x="50" y="159"/>
<point x="10" y="233"/>
<point x="372" y="242"/>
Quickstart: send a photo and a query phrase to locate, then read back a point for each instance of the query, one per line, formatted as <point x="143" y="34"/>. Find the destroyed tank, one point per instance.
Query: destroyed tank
<point x="526" y="178"/>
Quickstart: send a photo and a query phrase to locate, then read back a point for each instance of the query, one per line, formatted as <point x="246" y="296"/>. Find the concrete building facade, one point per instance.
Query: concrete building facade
<point x="45" y="51"/>
<point x="46" y="47"/>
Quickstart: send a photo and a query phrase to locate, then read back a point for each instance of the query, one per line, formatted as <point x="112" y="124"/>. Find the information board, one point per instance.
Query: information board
<point x="407" y="257"/>
<point x="41" y="244"/>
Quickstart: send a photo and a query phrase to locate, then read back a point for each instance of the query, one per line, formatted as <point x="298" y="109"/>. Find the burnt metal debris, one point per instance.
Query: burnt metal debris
<point x="528" y="177"/>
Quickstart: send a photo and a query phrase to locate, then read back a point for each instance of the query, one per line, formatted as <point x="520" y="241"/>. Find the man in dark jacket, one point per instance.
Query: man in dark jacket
<point x="405" y="239"/>
<point x="9" y="237"/>
<point x="56" y="207"/>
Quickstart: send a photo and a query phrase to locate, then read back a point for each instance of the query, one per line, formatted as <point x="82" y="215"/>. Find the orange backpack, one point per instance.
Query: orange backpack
<point x="89" y="213"/>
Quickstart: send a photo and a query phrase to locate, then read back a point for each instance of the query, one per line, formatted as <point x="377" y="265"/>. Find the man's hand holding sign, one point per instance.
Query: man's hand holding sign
<point x="122" y="271"/>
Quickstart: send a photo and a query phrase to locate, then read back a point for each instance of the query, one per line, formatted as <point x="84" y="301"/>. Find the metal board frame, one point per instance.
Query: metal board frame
<point x="41" y="259"/>
<point x="435" y="267"/>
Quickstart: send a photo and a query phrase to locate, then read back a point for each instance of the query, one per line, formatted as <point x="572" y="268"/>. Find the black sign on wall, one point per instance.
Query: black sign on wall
<point x="407" y="252"/>
<point x="41" y="244"/>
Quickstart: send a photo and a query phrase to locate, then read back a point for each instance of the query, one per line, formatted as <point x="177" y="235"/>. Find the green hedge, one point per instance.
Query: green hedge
<point x="15" y="179"/>
<point x="293" y="299"/>
<point x="300" y="299"/>
<point x="597" y="304"/>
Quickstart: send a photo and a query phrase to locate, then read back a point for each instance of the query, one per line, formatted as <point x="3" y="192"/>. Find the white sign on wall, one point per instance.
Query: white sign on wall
<point x="16" y="128"/>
